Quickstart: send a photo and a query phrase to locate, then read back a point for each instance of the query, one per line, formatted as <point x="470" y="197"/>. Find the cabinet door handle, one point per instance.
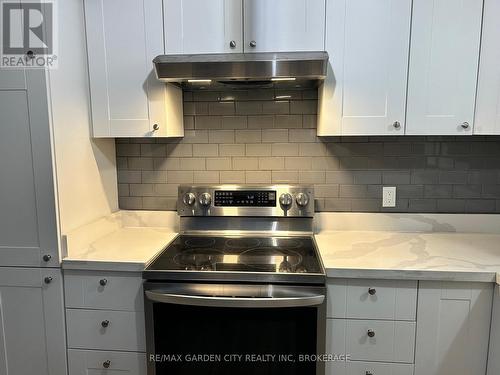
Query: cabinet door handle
<point x="103" y="282"/>
<point x="232" y="44"/>
<point x="48" y="280"/>
<point x="396" y="124"/>
<point x="253" y="44"/>
<point x="105" y="323"/>
<point x="465" y="125"/>
<point x="156" y="127"/>
<point x="372" y="291"/>
<point x="371" y="333"/>
<point x="47" y="257"/>
<point x="106" y="364"/>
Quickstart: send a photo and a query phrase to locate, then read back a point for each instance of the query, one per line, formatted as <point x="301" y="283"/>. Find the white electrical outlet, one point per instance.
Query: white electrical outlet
<point x="389" y="196"/>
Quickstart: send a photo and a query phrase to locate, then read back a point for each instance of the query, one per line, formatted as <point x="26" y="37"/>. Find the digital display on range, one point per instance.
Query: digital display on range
<point x="247" y="198"/>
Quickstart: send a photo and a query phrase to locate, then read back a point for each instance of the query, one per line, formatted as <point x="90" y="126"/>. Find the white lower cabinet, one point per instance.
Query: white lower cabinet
<point x="372" y="299"/>
<point x="373" y="340"/>
<point x="99" y="290"/>
<point x="32" y="339"/>
<point x="372" y="323"/>
<point x="90" y="362"/>
<point x="105" y="323"/>
<point x="107" y="330"/>
<point x="453" y="326"/>
<point x="370" y="368"/>
<point x="494" y="358"/>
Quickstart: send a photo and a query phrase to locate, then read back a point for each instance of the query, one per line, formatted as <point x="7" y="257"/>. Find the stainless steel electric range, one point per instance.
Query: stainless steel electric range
<point x="241" y="289"/>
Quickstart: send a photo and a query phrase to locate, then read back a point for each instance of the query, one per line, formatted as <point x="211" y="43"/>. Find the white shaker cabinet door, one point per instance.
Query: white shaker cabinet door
<point x="123" y="38"/>
<point x="32" y="338"/>
<point x="488" y="91"/>
<point x="284" y="25"/>
<point x="444" y="59"/>
<point x="203" y="26"/>
<point x="365" y="90"/>
<point x="494" y="358"/>
<point x="97" y="362"/>
<point x="28" y="227"/>
<point x="453" y="325"/>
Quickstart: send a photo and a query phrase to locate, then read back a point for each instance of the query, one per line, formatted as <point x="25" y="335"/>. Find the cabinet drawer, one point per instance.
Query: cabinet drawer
<point x="373" y="368"/>
<point x="392" y="341"/>
<point x="106" y="363"/>
<point x="87" y="329"/>
<point x="372" y="299"/>
<point x="100" y="290"/>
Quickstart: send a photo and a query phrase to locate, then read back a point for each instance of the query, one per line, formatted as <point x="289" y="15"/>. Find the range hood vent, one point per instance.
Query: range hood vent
<point x="243" y="70"/>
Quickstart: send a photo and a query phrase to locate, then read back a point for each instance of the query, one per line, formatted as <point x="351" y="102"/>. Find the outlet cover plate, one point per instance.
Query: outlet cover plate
<point x="389" y="196"/>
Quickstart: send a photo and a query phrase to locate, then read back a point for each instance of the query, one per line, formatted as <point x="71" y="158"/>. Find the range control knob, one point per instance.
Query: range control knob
<point x="205" y="199"/>
<point x="286" y="199"/>
<point x="302" y="199"/>
<point x="189" y="199"/>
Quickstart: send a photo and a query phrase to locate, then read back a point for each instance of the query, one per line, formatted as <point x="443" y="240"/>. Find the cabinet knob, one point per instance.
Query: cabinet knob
<point x="397" y="125"/>
<point x="106" y="364"/>
<point x="371" y="333"/>
<point x="105" y="323"/>
<point x="253" y="44"/>
<point x="372" y="291"/>
<point x="103" y="282"/>
<point x="30" y="54"/>
<point x="232" y="44"/>
<point x="156" y="127"/>
<point x="48" y="280"/>
<point x="47" y="257"/>
<point x="465" y="125"/>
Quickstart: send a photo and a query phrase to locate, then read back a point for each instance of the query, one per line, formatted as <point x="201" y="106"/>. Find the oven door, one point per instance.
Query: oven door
<point x="234" y="329"/>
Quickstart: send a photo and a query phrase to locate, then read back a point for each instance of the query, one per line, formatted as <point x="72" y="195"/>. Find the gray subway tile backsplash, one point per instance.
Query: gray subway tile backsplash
<point x="268" y="136"/>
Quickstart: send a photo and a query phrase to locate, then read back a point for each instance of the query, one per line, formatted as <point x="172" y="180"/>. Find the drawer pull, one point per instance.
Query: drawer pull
<point x="105" y="323"/>
<point x="103" y="282"/>
<point x="368" y="373"/>
<point x="106" y="364"/>
<point x="371" y="333"/>
<point x="372" y="291"/>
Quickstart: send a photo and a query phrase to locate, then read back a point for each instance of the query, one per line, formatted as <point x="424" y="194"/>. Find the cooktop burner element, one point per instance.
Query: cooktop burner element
<point x="202" y="259"/>
<point x="286" y="260"/>
<point x="200" y="242"/>
<point x="226" y="254"/>
<point x="242" y="243"/>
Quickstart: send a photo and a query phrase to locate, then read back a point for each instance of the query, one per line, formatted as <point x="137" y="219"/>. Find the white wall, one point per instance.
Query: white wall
<point x="86" y="168"/>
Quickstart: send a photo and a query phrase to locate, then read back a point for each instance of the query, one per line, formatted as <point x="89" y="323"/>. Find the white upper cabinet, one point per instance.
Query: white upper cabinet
<point x="443" y="66"/>
<point x="203" y="26"/>
<point x="488" y="91"/>
<point x="365" y="89"/>
<point x="123" y="37"/>
<point x="28" y="224"/>
<point x="284" y="25"/>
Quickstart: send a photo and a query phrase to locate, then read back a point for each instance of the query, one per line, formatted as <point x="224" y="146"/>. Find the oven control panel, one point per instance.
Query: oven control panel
<point x="241" y="200"/>
<point x="245" y="198"/>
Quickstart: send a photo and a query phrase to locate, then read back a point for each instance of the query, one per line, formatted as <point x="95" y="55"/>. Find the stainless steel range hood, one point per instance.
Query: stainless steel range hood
<point x="282" y="69"/>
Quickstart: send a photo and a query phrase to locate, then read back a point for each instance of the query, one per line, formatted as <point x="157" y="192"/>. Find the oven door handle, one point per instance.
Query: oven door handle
<point x="209" y="301"/>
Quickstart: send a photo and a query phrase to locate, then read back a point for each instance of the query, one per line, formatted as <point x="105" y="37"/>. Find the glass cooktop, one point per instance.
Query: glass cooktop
<point x="283" y="255"/>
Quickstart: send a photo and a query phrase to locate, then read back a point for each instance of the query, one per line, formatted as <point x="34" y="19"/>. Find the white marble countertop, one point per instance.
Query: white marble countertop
<point x="124" y="241"/>
<point x="417" y="256"/>
<point x="390" y="246"/>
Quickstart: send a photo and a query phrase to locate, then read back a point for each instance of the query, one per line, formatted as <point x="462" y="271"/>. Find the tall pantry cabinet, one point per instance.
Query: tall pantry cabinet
<point x="32" y="339"/>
